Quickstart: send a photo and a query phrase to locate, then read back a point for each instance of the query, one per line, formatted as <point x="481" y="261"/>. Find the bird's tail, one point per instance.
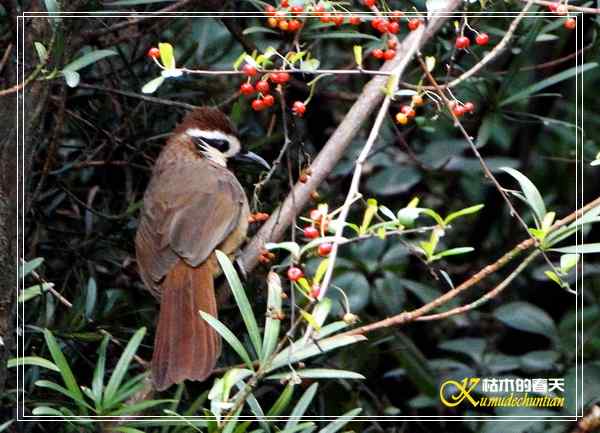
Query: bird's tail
<point x="185" y="346"/>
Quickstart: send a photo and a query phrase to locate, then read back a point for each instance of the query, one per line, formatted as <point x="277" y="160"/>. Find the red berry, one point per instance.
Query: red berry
<point x="338" y="20"/>
<point x="294" y="273"/>
<point x="247" y="89"/>
<point x="393" y="27"/>
<point x="258" y="105"/>
<point x="469" y="107"/>
<point x="324" y="18"/>
<point x="249" y="70"/>
<point x="262" y="86"/>
<point x="315" y="215"/>
<point x="154" y="53"/>
<point x="389" y="54"/>
<point x="270" y="10"/>
<point x="285" y="3"/>
<point x="354" y="21"/>
<point x="315" y="291"/>
<point x="299" y="108"/>
<point x="462" y="42"/>
<point x="268" y="100"/>
<point x="408" y="110"/>
<point x="376" y="23"/>
<point x="552" y="7"/>
<point x="311" y="232"/>
<point x="482" y="39"/>
<point x="369" y="3"/>
<point x="570" y="23"/>
<point x="319" y="9"/>
<point x="392" y="43"/>
<point x="294" y="25"/>
<point x="284" y="25"/>
<point x="325" y="249"/>
<point x="280" y="77"/>
<point x="377" y="53"/>
<point x="296" y="9"/>
<point x="414" y="24"/>
<point x="458" y="110"/>
<point x="382" y="26"/>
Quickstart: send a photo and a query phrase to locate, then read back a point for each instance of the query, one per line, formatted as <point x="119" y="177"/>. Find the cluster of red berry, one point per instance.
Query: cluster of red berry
<point x="462" y="42"/>
<point x="284" y="18"/>
<point x="562" y="9"/>
<point x="407" y="112"/>
<point x="460" y="109"/>
<point x="262" y="87"/>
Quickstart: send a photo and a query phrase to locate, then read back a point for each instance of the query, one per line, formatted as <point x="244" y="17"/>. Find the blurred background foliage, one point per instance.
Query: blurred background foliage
<point x="92" y="166"/>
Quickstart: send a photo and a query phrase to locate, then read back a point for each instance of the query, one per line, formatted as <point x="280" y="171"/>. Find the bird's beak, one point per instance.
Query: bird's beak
<point x="252" y="157"/>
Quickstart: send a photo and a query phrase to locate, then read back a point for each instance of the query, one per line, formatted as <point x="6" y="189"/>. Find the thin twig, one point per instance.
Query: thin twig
<point x="140" y="96"/>
<point x="362" y="158"/>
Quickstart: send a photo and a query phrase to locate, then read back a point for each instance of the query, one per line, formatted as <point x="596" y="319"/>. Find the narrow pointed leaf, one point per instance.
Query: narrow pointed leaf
<point x="272" y="325"/>
<point x="228" y="336"/>
<point x="241" y="299"/>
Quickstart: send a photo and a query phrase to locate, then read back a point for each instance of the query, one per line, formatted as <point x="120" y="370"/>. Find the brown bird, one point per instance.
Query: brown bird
<point x="192" y="206"/>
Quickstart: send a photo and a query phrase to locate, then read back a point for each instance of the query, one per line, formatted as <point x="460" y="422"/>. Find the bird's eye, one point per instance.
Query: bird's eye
<point x="219" y="144"/>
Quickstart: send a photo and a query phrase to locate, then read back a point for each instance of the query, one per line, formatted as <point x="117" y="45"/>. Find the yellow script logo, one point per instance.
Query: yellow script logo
<point x="463" y="390"/>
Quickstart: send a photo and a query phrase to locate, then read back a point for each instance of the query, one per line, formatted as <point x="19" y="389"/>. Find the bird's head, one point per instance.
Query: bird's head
<point x="214" y="137"/>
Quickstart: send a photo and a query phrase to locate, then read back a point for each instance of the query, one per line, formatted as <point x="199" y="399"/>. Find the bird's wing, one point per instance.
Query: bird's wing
<point x="188" y="211"/>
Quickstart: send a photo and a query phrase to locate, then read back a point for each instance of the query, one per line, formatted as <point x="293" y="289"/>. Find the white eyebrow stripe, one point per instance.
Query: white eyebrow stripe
<point x="234" y="144"/>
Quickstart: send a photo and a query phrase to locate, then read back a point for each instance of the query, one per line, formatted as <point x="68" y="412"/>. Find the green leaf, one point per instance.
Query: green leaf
<point x="340" y="422"/>
<point x="56" y="387"/>
<point x="139" y="407"/>
<point x="152" y="85"/>
<point x="320" y="272"/>
<point x="122" y="366"/>
<point x="309" y="65"/>
<point x="532" y="195"/>
<point x="526" y="317"/>
<point x="454" y="252"/>
<point x="466" y="211"/>
<point x="32" y="360"/>
<point x="321" y="311"/>
<point x="258" y="29"/>
<point x="98" y="378"/>
<point x="304" y="427"/>
<point x="358" y="54"/>
<point x="41" y="51"/>
<point x="300" y="408"/>
<point x="88" y="59"/>
<point x="28" y="267"/>
<point x="296" y="353"/>
<point x="4" y="426"/>
<point x="71" y="78"/>
<point x="241" y="299"/>
<point x="272" y="324"/>
<point x="166" y="55"/>
<point x="64" y="368"/>
<point x="283" y="401"/>
<point x="90" y="297"/>
<point x="318" y="373"/>
<point x="228" y="336"/>
<point x="568" y="262"/>
<point x="124" y="429"/>
<point x="552" y="276"/>
<point x="564" y="75"/>
<point x="45" y="410"/>
<point x="579" y="249"/>
<point x="33" y="291"/>
<point x="292" y="247"/>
